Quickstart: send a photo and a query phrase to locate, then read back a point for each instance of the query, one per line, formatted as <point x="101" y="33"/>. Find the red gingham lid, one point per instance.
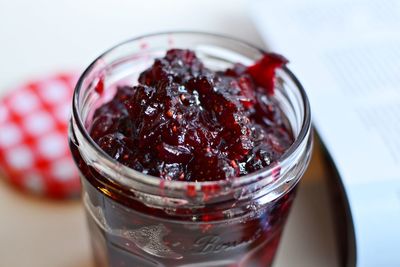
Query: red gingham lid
<point x="34" y="153"/>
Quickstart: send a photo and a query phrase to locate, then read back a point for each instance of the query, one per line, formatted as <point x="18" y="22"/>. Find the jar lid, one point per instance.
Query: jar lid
<point x="34" y="153"/>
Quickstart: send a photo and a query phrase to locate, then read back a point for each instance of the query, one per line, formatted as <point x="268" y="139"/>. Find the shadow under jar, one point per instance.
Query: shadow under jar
<point x="141" y="220"/>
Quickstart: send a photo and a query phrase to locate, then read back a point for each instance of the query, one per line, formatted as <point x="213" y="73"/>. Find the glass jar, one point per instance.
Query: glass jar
<point x="140" y="220"/>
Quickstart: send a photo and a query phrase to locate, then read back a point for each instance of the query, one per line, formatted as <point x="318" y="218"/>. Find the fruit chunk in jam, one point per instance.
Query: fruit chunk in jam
<point x="183" y="121"/>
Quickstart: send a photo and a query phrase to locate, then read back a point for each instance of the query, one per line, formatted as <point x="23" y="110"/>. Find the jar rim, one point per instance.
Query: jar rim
<point x="137" y="176"/>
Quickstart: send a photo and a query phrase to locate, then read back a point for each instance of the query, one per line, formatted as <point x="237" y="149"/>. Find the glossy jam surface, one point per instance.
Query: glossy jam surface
<point x="183" y="121"/>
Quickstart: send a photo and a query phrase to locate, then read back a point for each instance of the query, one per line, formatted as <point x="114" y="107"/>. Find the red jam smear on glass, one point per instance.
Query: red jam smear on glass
<point x="186" y="122"/>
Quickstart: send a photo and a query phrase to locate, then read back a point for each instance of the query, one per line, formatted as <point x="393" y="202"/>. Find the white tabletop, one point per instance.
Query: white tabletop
<point x="44" y="36"/>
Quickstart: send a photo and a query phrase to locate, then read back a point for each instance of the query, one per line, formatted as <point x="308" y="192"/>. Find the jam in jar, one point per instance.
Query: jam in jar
<point x="189" y="147"/>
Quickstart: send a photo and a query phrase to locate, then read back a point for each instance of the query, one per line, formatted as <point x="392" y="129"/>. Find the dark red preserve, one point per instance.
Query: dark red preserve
<point x="183" y="121"/>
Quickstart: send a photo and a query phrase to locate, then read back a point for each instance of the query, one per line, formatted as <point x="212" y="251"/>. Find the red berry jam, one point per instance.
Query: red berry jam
<point x="186" y="122"/>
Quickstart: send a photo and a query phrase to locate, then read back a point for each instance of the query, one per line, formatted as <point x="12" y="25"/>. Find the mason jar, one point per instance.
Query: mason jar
<point x="140" y="220"/>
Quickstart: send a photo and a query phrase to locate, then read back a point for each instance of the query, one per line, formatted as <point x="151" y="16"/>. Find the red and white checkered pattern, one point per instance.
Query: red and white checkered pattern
<point x="34" y="153"/>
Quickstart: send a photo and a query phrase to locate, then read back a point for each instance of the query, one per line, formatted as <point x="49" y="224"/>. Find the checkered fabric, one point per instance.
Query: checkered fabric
<point x="34" y="153"/>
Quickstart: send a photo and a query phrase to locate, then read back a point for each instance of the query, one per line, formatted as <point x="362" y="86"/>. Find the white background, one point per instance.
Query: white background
<point x="41" y="36"/>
